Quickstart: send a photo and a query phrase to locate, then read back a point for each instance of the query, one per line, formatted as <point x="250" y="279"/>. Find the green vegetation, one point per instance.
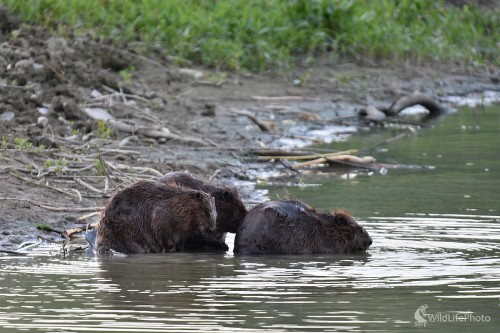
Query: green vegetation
<point x="22" y="144"/>
<point x="272" y="34"/>
<point x="103" y="131"/>
<point x="99" y="167"/>
<point x="57" y="165"/>
<point x="126" y="74"/>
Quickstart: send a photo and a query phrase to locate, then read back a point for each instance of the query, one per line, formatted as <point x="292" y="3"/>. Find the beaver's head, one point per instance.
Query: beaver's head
<point x="345" y="232"/>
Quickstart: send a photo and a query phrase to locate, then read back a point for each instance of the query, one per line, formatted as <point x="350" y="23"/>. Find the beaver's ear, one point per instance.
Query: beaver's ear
<point x="226" y="195"/>
<point x="198" y="195"/>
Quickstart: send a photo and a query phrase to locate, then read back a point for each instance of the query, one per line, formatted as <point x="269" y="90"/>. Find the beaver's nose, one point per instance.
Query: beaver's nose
<point x="368" y="242"/>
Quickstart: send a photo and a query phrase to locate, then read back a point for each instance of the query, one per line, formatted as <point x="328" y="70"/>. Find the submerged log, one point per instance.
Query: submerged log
<point x="404" y="102"/>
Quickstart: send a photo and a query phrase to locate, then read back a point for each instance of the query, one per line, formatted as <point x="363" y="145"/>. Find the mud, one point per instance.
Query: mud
<point x="53" y="86"/>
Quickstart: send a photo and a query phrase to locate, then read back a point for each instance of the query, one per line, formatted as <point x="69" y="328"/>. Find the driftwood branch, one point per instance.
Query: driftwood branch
<point x="341" y="158"/>
<point x="295" y="157"/>
<point x="263" y="127"/>
<point x="404" y="102"/>
<point x="154" y="133"/>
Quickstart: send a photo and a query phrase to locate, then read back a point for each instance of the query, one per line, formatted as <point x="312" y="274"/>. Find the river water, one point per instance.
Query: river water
<point x="434" y="264"/>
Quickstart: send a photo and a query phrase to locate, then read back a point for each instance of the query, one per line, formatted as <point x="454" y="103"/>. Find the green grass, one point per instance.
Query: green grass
<point x="261" y="35"/>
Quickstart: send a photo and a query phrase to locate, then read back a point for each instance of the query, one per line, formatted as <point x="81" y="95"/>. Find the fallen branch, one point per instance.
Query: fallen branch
<point x="69" y="233"/>
<point x="342" y="158"/>
<point x="295" y="157"/>
<point x="119" y="166"/>
<point x="84" y="217"/>
<point x="277" y="98"/>
<point x="400" y="104"/>
<point x="415" y="99"/>
<point x="40" y="183"/>
<point x="154" y="133"/>
<point x="263" y="127"/>
<point x="88" y="186"/>
<point x="52" y="208"/>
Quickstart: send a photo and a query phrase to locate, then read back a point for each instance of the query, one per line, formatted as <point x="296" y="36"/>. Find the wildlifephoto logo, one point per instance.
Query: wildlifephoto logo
<point x="422" y="318"/>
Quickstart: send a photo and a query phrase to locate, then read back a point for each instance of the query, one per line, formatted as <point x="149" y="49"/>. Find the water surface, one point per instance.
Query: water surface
<point x="435" y="260"/>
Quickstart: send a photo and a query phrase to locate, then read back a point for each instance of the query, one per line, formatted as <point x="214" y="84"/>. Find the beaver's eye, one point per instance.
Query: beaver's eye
<point x="341" y="219"/>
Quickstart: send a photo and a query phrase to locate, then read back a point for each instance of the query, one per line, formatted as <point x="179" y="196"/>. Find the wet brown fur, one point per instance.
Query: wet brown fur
<point x="230" y="209"/>
<point x="293" y="227"/>
<point x="148" y="217"/>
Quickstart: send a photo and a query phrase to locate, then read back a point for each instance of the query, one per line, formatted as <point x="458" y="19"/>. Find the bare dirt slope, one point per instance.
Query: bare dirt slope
<point x="80" y="118"/>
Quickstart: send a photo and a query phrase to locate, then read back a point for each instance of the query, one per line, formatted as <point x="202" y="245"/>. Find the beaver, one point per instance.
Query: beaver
<point x="148" y="217"/>
<point x="290" y="226"/>
<point x="230" y="209"/>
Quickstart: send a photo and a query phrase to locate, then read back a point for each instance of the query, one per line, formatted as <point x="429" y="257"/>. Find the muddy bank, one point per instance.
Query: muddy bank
<point x="80" y="118"/>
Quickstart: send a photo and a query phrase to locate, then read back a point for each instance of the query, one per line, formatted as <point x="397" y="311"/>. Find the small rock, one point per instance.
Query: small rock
<point x="43" y="110"/>
<point x="24" y="64"/>
<point x="98" y="114"/>
<point x="7" y="116"/>
<point x="308" y="116"/>
<point x="68" y="106"/>
<point x="58" y="47"/>
<point x="42" y="121"/>
<point x="195" y="74"/>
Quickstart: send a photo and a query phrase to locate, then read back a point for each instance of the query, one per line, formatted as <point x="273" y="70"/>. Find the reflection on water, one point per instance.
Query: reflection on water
<point x="450" y="263"/>
<point x="435" y="261"/>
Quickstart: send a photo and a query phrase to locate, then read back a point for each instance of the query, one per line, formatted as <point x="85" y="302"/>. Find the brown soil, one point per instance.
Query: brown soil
<point x="50" y="83"/>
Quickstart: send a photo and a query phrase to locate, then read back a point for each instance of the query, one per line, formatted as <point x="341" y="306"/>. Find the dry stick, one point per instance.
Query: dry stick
<point x="278" y="98"/>
<point x="354" y="164"/>
<point x="345" y="158"/>
<point x="70" y="232"/>
<point x="122" y="95"/>
<point x="263" y="127"/>
<point x="88" y="186"/>
<point x="105" y="168"/>
<point x="84" y="217"/>
<point x="57" y="72"/>
<point x="42" y="184"/>
<point x="120" y="166"/>
<point x="52" y="208"/>
<point x="120" y="151"/>
<point x="13" y="252"/>
<point x="153" y="133"/>
<point x="395" y="138"/>
<point x="294" y="157"/>
<point x="118" y="170"/>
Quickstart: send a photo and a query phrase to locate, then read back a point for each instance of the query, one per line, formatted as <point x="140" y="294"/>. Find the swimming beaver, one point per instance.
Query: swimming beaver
<point x="230" y="209"/>
<point x="148" y="217"/>
<point x="294" y="227"/>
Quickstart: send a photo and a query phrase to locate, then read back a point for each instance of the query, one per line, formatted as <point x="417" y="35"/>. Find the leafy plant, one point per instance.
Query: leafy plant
<point x="5" y="143"/>
<point x="103" y="131"/>
<point x="56" y="166"/>
<point x="126" y="74"/>
<point x="99" y="167"/>
<point x="22" y="144"/>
